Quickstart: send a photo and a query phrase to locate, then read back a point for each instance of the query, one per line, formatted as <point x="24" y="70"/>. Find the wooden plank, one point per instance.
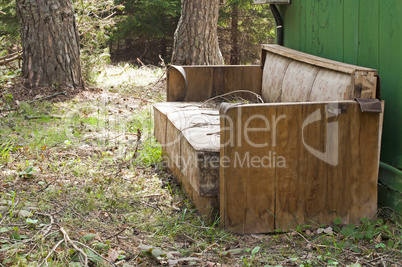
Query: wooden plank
<point x="366" y="165"/>
<point x="204" y="82"/>
<point x="315" y="60"/>
<point x="160" y="124"/>
<point x="247" y="194"/>
<point x="330" y="35"/>
<point x="175" y="85"/>
<point x="243" y="78"/>
<point x="311" y="170"/>
<point x="368" y="33"/>
<point x="292" y="27"/>
<point x="331" y="85"/>
<point x="350" y="31"/>
<point x="200" y="167"/>
<point x="365" y="84"/>
<point x="331" y="154"/>
<point x="303" y="26"/>
<point x="200" y="83"/>
<point x="274" y="71"/>
<point x="298" y="82"/>
<point x="289" y="185"/>
<point x="390" y="58"/>
<point x="312" y="27"/>
<point x="206" y="206"/>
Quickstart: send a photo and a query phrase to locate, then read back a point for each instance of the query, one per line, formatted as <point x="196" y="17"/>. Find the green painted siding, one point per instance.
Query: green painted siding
<point x="361" y="32"/>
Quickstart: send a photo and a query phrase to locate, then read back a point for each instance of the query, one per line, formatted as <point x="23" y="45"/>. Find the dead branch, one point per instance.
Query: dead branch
<point x="47" y="97"/>
<point x="51" y="252"/>
<point x="121" y="231"/>
<point x="10" y="59"/>
<point x="68" y="240"/>
<point x="139" y="61"/>
<point x="10" y="55"/>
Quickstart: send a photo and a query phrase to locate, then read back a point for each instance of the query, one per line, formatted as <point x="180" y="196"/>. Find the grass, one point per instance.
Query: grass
<point x="73" y="189"/>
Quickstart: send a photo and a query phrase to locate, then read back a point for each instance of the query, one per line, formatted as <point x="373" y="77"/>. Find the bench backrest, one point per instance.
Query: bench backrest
<point x="293" y="76"/>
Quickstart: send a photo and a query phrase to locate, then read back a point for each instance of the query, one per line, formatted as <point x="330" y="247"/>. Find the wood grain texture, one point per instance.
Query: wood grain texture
<point x="293" y="76"/>
<point x="332" y="85"/>
<point x="208" y="207"/>
<point x="314" y="60"/>
<point x="298" y="82"/>
<point x="275" y="68"/>
<point x="190" y="138"/>
<point x="310" y="187"/>
<point x="205" y="82"/>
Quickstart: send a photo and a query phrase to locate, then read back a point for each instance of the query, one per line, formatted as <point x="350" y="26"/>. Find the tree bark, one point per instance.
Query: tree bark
<point x="50" y="43"/>
<point x="234" y="50"/>
<point x="196" y="36"/>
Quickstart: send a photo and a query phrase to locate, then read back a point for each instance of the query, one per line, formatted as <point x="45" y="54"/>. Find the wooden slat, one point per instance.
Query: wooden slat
<point x="244" y="208"/>
<point x="368" y="34"/>
<point x="314" y="60"/>
<point x="351" y="31"/>
<point x="205" y="82"/>
<point x="331" y="85"/>
<point x="274" y="71"/>
<point x="208" y="207"/>
<point x="298" y="82"/>
<point x="329" y="32"/>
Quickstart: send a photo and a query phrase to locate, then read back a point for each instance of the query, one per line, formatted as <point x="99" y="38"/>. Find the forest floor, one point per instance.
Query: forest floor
<point x="81" y="180"/>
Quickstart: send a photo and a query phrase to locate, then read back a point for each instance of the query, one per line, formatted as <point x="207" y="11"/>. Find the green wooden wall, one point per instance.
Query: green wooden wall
<point x="361" y="32"/>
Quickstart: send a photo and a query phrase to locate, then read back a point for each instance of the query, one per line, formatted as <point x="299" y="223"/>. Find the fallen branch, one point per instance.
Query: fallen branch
<point x="10" y="55"/>
<point x="47" y="97"/>
<point x="68" y="240"/>
<point x="121" y="231"/>
<point x="40" y="117"/>
<point x="51" y="252"/>
<point x="10" y="59"/>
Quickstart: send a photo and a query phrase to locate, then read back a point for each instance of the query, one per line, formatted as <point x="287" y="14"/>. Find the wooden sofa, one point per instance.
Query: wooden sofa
<point x="307" y="155"/>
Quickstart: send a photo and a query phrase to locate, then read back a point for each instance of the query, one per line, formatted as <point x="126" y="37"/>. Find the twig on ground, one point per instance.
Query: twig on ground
<point x="47" y="97"/>
<point x="82" y="244"/>
<point x="68" y="240"/>
<point x="149" y="205"/>
<point x="121" y="231"/>
<point x="5" y="61"/>
<point x="51" y="252"/>
<point x="40" y="117"/>
<point x="139" y="61"/>
<point x="154" y="195"/>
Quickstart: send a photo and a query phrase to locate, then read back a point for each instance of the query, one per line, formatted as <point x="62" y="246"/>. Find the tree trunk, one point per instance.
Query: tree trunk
<point x="196" y="36"/>
<point x="234" y="50"/>
<point x="50" y="42"/>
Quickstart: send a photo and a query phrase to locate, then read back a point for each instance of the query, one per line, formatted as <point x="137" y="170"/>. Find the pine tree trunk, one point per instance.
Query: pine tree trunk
<point x="50" y="41"/>
<point x="196" y="36"/>
<point x="234" y="51"/>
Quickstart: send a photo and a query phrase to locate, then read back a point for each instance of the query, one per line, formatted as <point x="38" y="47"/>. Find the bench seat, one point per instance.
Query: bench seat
<point x="308" y="155"/>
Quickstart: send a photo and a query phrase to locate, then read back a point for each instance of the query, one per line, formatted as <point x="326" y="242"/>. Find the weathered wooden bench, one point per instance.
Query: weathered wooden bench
<point x="308" y="155"/>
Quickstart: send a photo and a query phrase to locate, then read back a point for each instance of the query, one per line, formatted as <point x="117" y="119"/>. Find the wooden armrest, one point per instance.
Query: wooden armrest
<point x="204" y="82"/>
